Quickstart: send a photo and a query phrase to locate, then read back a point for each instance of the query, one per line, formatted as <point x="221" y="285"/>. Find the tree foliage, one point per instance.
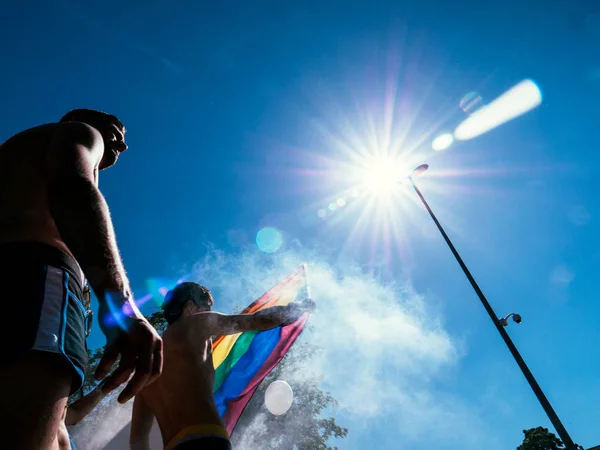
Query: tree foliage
<point x="541" y="439"/>
<point x="304" y="426"/>
<point x="158" y="321"/>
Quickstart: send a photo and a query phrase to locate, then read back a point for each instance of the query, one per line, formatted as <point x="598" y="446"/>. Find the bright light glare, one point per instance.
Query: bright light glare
<point x="380" y="176"/>
<point x="516" y="101"/>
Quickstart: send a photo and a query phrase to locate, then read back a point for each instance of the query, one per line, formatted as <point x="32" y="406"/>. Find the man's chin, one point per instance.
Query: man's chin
<point x="109" y="160"/>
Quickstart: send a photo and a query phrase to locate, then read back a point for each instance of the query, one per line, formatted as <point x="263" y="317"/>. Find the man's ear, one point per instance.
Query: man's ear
<point x="189" y="306"/>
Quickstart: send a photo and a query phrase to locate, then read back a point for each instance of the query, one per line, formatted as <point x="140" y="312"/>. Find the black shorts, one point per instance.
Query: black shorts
<point x="205" y="443"/>
<point x="41" y="290"/>
<point x="201" y="437"/>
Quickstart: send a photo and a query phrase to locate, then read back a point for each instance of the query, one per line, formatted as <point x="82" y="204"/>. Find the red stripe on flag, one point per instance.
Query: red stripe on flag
<point x="289" y="334"/>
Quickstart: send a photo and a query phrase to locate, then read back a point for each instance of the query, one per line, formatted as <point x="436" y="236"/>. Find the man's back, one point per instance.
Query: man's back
<point x="183" y="395"/>
<point x="24" y="211"/>
<point x="182" y="398"/>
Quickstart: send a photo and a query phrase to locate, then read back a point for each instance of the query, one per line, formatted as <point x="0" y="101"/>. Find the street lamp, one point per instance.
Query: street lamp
<point x="504" y="320"/>
<point x="498" y="323"/>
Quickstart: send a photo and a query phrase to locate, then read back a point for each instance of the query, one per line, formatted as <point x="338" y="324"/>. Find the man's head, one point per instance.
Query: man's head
<point x="111" y="129"/>
<point x="186" y="299"/>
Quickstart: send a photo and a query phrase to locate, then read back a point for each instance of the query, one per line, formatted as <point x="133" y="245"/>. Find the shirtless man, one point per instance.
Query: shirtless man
<point x="54" y="228"/>
<point x="182" y="398"/>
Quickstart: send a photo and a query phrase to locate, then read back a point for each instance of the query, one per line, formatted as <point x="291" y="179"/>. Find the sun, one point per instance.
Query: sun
<point x="382" y="176"/>
<point x="379" y="178"/>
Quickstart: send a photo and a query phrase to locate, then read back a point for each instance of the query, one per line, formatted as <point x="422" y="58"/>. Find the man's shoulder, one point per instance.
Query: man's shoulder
<point x="39" y="132"/>
<point x="198" y="320"/>
<point x="200" y="325"/>
<point x="184" y="325"/>
<point x="51" y="129"/>
<point x="42" y="135"/>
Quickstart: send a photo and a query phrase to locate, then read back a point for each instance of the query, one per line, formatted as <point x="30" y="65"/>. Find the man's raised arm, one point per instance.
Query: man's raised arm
<point x="217" y="324"/>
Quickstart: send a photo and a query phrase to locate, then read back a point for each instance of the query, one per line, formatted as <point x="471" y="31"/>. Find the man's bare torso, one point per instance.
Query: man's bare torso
<point x="24" y="212"/>
<point x="183" y="395"/>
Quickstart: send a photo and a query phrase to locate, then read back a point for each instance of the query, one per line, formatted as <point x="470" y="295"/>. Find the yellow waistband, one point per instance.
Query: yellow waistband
<point x="197" y="429"/>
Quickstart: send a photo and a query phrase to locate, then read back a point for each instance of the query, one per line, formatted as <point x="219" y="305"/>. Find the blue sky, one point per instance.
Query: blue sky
<point x="230" y="111"/>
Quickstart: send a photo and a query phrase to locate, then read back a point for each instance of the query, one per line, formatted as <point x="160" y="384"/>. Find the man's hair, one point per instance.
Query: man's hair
<point x="176" y="299"/>
<point x="82" y="115"/>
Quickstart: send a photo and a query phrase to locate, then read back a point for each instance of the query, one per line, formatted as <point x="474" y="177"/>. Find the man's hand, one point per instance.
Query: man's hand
<point x="308" y="305"/>
<point x="140" y="347"/>
<point x="297" y="309"/>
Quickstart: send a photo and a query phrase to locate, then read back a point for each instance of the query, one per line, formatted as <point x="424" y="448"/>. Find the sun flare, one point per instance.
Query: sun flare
<point x="379" y="177"/>
<point x="382" y="176"/>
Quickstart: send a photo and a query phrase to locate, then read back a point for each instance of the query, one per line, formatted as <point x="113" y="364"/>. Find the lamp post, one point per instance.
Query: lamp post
<point x="498" y="323"/>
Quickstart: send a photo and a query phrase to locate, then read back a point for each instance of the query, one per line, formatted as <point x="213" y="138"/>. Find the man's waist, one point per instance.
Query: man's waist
<point x="194" y="432"/>
<point x="32" y="251"/>
<point x="181" y="415"/>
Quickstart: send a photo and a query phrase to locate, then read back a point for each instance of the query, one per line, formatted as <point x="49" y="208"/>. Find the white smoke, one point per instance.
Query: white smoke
<point x="383" y="346"/>
<point x="102" y="424"/>
<point x="107" y="427"/>
<point x="251" y="439"/>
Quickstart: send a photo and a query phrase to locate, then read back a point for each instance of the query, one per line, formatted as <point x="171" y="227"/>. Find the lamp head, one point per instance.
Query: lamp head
<point x="420" y="170"/>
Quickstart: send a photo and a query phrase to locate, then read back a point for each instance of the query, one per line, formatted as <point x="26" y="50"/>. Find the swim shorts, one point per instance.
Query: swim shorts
<point x="201" y="437"/>
<point x="42" y="290"/>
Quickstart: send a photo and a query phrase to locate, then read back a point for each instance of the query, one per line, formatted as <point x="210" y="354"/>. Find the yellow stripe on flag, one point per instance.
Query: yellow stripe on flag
<point x="221" y="351"/>
<point x="280" y="295"/>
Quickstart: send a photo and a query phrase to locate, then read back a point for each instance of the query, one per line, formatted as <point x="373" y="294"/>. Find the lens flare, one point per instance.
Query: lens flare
<point x="116" y="313"/>
<point x="471" y="102"/>
<point x="518" y="100"/>
<point x="442" y="142"/>
<point x="269" y="239"/>
<point x="279" y="397"/>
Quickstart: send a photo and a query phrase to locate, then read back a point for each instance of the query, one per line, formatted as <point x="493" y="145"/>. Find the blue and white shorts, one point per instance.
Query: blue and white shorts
<point x="42" y="294"/>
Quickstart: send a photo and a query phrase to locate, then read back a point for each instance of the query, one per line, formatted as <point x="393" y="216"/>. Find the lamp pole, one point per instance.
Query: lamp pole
<point x="537" y="390"/>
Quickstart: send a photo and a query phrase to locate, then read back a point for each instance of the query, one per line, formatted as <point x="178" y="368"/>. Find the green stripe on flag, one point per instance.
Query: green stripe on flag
<point x="239" y="349"/>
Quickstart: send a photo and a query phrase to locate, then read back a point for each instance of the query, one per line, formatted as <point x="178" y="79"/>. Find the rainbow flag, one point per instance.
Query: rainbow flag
<point x="243" y="360"/>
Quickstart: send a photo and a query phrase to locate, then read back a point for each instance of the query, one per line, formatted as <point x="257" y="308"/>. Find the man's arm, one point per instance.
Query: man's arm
<point x="83" y="220"/>
<point x="80" y="211"/>
<point x="141" y="425"/>
<point x="217" y="324"/>
<point x="79" y="409"/>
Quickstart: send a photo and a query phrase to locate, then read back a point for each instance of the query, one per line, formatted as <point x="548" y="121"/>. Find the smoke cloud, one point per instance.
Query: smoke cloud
<point x="383" y="347"/>
<point x="103" y="424"/>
